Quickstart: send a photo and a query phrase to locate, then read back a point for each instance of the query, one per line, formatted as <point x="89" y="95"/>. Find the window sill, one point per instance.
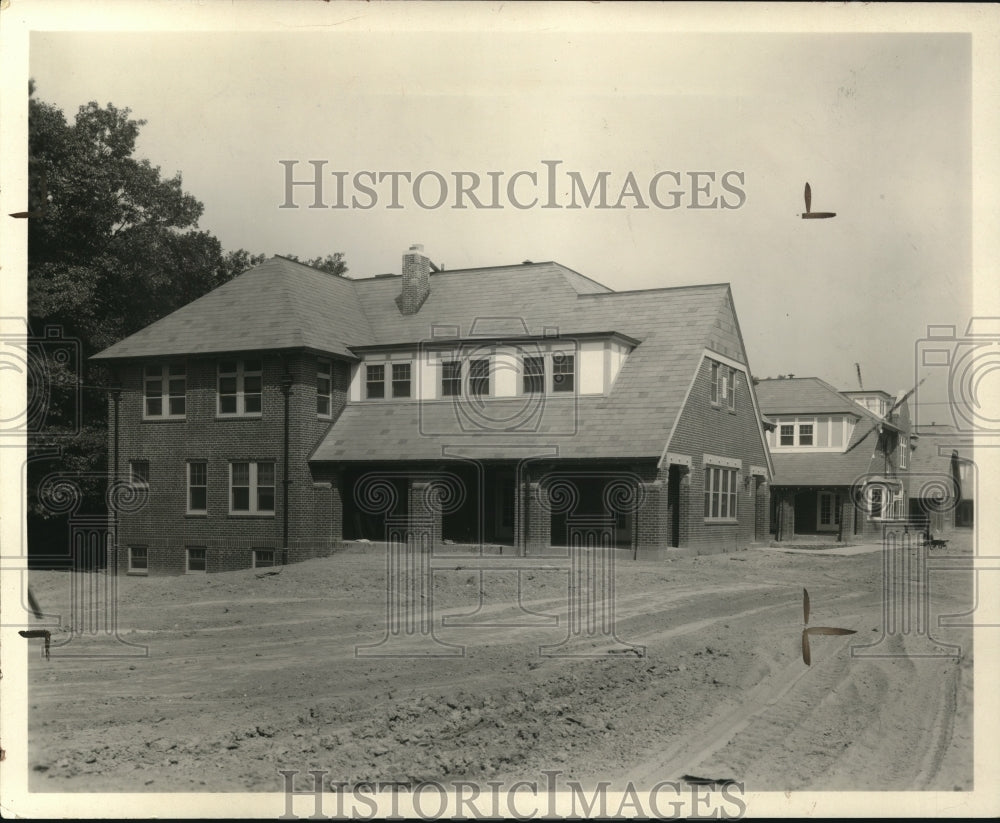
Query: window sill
<point x="239" y="416"/>
<point x="251" y="515"/>
<point x="164" y="419"/>
<point x="196" y="515"/>
<point x="721" y="521"/>
<point x="137" y="573"/>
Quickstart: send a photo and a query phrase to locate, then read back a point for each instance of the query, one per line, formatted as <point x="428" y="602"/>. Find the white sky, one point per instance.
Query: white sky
<point x="880" y="125"/>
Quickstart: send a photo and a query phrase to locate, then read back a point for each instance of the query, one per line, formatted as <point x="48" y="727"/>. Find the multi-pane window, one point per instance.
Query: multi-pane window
<point x="139" y="473"/>
<point x="479" y="378"/>
<point x="251" y="488"/>
<point x="375" y="381"/>
<point x="262" y="558"/>
<point x="731" y="389"/>
<point x="400" y="379"/>
<point x="563" y="372"/>
<point x="197" y="484"/>
<point x="197" y="560"/>
<point x="804" y="434"/>
<point x="164" y="390"/>
<point x="451" y="378"/>
<point x="715" y="383"/>
<point x="239" y="387"/>
<point x="720" y="493"/>
<point x="324" y="381"/>
<point x="138" y="559"/>
<point x="902" y="453"/>
<point x="533" y="375"/>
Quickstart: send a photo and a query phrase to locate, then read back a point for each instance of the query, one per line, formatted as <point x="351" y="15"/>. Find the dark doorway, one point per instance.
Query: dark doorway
<point x="674" y="504"/>
<point x="367" y="498"/>
<point x="805" y="513"/>
<point x="589" y="503"/>
<point x="487" y="509"/>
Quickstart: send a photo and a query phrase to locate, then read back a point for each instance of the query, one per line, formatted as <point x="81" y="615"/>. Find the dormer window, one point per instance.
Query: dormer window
<point x="533" y="375"/>
<point x="451" y="378"/>
<point x="479" y="378"/>
<point x="563" y="372"/>
<point x="375" y="382"/>
<point x="400" y="379"/>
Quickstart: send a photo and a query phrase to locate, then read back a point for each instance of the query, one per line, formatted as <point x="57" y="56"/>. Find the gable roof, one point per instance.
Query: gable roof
<point x="803" y="395"/>
<point x="282" y="304"/>
<point x="279" y="304"/>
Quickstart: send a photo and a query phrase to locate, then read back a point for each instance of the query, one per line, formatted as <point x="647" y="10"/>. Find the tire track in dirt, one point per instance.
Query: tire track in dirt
<point x="759" y="721"/>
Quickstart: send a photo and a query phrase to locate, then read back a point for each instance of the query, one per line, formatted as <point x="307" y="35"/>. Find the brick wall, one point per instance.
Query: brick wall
<point x="163" y="526"/>
<point x="713" y="429"/>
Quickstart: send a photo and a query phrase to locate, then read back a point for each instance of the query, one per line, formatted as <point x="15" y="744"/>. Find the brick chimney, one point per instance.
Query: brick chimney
<point x="416" y="280"/>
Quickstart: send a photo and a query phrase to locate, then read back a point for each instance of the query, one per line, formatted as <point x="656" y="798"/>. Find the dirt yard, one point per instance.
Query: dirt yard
<point x="246" y="675"/>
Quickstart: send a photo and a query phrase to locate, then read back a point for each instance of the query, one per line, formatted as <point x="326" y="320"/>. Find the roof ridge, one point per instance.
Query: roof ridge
<point x="658" y="288"/>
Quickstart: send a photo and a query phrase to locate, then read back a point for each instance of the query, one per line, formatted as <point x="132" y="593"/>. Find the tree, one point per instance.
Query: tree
<point x="332" y="263"/>
<point x="113" y="246"/>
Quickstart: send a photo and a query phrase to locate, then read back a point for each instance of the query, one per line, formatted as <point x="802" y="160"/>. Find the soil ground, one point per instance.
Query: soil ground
<point x="245" y="675"/>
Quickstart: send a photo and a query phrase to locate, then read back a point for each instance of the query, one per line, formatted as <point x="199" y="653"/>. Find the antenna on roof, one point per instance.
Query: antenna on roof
<point x="857" y="366"/>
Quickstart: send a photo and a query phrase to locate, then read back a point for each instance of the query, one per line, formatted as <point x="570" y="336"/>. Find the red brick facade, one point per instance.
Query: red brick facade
<point x="163" y="526"/>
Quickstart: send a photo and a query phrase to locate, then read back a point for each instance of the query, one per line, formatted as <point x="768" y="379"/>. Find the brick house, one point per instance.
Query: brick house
<point x="291" y="410"/>
<point x="841" y="459"/>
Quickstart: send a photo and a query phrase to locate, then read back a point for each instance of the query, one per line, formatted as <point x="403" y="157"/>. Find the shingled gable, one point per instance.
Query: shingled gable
<point x="279" y="304"/>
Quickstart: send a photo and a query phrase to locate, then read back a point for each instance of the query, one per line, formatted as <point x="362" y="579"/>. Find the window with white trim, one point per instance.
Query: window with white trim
<point x="787" y="434"/>
<point x="139" y="473"/>
<point x="375" y="381"/>
<point x="401" y="379"/>
<point x="197" y="560"/>
<point x="563" y="372"/>
<point x="451" y="378"/>
<point x="720" y="493"/>
<point x="263" y="558"/>
<point x="138" y="559"/>
<point x="197" y="487"/>
<point x="533" y="375"/>
<point x="164" y="389"/>
<point x="723" y="390"/>
<point x="903" y="449"/>
<point x="479" y="378"/>
<point x="239" y="388"/>
<point x="251" y="488"/>
<point x="324" y="383"/>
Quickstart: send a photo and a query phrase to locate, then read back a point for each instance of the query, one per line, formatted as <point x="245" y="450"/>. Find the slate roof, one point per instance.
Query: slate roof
<point x="633" y="420"/>
<point x="279" y="304"/>
<point x="282" y="304"/>
<point x="803" y="395"/>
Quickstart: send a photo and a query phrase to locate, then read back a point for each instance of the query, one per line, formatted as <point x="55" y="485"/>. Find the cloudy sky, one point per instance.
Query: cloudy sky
<point x="879" y="124"/>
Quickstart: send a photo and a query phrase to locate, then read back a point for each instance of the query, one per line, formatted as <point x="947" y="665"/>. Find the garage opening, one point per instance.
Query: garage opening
<point x="588" y="501"/>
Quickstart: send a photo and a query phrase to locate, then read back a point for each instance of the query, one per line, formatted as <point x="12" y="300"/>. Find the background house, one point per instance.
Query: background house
<point x="290" y="410"/>
<point x="841" y="459"/>
<point x="943" y="486"/>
